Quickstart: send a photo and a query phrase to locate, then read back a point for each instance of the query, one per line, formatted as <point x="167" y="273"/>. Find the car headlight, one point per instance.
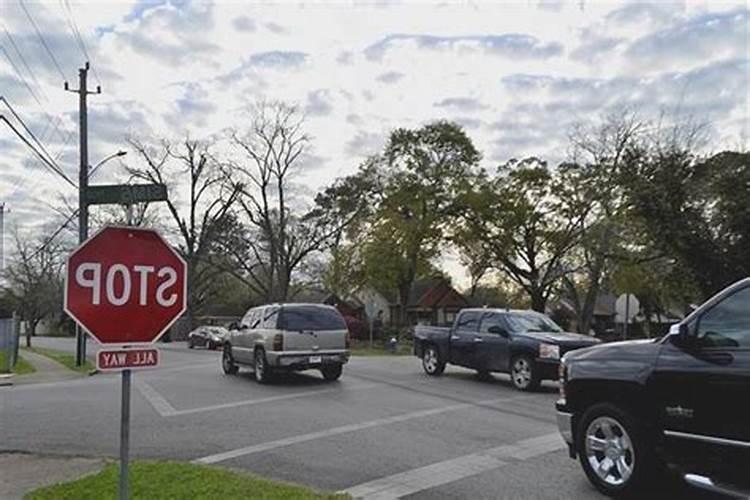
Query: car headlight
<point x="549" y="351"/>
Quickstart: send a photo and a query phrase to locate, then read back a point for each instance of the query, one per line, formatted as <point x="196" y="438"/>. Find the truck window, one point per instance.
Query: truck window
<point x="310" y="318"/>
<point x="468" y="321"/>
<point x="727" y="324"/>
<point x="270" y="318"/>
<point x="492" y="319"/>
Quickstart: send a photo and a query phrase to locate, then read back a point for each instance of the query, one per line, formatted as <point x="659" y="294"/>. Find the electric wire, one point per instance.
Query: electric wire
<point x="42" y="40"/>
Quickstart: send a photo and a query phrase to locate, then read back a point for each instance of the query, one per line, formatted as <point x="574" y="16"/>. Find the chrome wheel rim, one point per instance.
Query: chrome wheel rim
<point x="259" y="366"/>
<point x="430" y="360"/>
<point x="521" y="373"/>
<point x="609" y="451"/>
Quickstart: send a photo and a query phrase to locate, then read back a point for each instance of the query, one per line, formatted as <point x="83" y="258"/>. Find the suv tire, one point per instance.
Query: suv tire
<point x="227" y="361"/>
<point x="261" y="368"/>
<point x="331" y="372"/>
<point x="614" y="451"/>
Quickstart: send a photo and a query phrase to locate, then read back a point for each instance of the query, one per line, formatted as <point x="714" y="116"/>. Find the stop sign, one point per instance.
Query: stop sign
<point x="125" y="285"/>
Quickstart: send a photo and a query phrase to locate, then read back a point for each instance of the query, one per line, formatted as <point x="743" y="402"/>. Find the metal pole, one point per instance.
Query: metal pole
<point x="124" y="436"/>
<point x="83" y="182"/>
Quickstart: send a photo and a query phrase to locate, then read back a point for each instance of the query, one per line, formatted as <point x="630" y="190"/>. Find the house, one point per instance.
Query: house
<point x="431" y="302"/>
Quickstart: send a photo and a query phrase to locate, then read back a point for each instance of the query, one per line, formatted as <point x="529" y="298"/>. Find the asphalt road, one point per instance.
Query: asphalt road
<point x="385" y="430"/>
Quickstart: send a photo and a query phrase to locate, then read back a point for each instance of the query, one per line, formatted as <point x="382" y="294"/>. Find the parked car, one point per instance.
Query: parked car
<point x="210" y="337"/>
<point x="628" y="409"/>
<point x="288" y="337"/>
<point x="526" y="344"/>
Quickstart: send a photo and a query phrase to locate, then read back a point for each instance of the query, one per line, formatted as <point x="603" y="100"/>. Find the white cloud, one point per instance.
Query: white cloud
<point x="514" y="74"/>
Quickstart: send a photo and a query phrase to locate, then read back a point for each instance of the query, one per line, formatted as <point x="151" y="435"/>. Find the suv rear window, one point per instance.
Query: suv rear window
<point x="310" y="318"/>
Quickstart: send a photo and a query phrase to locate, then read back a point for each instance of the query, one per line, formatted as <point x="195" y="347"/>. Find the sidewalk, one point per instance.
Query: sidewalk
<point x="46" y="371"/>
<point x="24" y="472"/>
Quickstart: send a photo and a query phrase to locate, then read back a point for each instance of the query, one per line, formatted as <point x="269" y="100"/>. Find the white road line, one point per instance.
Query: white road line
<point x="302" y="438"/>
<point x="269" y="399"/>
<point x="448" y="471"/>
<point x="160" y="404"/>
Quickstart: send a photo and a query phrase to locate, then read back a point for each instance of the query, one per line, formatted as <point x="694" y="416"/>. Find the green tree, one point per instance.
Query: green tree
<point x="528" y="220"/>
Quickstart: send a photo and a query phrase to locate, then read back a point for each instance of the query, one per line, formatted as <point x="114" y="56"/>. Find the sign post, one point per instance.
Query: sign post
<point x="627" y="307"/>
<point x="125" y="286"/>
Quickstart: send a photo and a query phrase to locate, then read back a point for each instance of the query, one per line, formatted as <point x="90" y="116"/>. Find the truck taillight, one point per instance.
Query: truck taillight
<point x="348" y="340"/>
<point x="563" y="377"/>
<point x="278" y="342"/>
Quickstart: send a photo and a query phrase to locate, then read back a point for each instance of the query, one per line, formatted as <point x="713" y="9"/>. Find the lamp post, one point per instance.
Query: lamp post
<point x="83" y="234"/>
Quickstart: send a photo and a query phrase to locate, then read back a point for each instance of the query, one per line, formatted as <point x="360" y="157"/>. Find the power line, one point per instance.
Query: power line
<point x="20" y="75"/>
<point x="42" y="39"/>
<point x="54" y="235"/>
<point x="23" y="60"/>
<point x="28" y="131"/>
<point x="77" y="34"/>
<point x="41" y="157"/>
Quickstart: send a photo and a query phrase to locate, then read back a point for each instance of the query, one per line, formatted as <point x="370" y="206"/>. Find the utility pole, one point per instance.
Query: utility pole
<point x="83" y="182"/>
<point x="2" y="236"/>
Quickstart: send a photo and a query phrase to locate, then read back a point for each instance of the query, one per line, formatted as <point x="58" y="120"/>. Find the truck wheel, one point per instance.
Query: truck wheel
<point x="331" y="372"/>
<point x="431" y="362"/>
<point x="262" y="371"/>
<point x="227" y="361"/>
<point x="523" y="374"/>
<point x="190" y="343"/>
<point x="612" y="450"/>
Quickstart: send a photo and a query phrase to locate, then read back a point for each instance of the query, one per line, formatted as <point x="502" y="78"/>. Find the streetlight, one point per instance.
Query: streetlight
<point x="105" y="160"/>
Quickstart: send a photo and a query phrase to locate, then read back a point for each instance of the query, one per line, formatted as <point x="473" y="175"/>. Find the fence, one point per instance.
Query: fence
<point x="8" y="344"/>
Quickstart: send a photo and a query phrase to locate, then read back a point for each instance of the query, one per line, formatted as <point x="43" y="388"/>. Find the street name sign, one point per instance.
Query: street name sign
<point x="125" y="194"/>
<point x="133" y="359"/>
<point x="125" y="286"/>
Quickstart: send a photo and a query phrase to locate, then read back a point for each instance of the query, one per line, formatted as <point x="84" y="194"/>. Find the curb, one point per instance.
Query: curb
<point x="6" y="379"/>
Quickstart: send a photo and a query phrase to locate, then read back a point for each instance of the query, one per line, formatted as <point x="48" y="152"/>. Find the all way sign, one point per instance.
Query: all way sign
<point x="131" y="359"/>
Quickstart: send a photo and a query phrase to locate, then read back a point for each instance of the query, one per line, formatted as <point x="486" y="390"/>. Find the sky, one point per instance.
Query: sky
<point x="516" y="75"/>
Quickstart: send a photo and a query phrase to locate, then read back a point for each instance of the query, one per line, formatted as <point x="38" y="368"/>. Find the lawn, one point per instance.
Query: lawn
<point x="22" y="367"/>
<point x="362" y="348"/>
<point x="172" y="481"/>
<point x="65" y="359"/>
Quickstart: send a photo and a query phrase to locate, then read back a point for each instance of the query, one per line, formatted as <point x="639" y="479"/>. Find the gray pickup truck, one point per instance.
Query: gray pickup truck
<point x="526" y="344"/>
<point x="288" y="337"/>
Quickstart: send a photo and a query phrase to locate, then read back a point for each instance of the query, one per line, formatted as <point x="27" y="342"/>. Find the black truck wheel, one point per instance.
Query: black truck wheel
<point x="432" y="363"/>
<point x="262" y="370"/>
<point x="331" y="372"/>
<point x="227" y="361"/>
<point x="523" y="373"/>
<point x="613" y="452"/>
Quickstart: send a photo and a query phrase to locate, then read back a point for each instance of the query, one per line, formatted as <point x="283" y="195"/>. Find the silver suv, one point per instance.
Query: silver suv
<point x="288" y="337"/>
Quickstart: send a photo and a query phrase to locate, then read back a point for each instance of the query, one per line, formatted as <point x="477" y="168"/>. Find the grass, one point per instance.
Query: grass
<point x="173" y="481"/>
<point x="65" y="359"/>
<point x="362" y="348"/>
<point x="22" y="367"/>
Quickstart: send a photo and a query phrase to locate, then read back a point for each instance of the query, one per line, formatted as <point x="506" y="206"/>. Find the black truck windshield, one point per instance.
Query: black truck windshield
<point x="531" y="322"/>
<point x="310" y="318"/>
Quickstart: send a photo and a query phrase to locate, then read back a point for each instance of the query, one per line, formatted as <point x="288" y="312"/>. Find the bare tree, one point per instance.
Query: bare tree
<point x="34" y="279"/>
<point x="275" y="236"/>
<point x="200" y="200"/>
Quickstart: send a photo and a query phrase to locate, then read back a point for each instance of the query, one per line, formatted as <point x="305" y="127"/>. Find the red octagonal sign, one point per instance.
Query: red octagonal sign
<point x="125" y="285"/>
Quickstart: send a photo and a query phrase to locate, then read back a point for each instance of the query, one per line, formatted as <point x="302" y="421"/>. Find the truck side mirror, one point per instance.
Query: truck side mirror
<point x="681" y="333"/>
<point x="498" y="330"/>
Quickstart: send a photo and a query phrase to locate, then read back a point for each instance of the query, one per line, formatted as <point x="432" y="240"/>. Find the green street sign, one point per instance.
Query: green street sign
<point x="125" y="194"/>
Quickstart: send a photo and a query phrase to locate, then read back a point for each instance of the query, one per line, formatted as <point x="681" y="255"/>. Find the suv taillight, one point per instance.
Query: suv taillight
<point x="278" y="342"/>
<point x="348" y="340"/>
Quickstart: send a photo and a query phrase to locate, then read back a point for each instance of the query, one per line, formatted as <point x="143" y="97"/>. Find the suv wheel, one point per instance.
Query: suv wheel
<point x="190" y="343"/>
<point x="262" y="371"/>
<point x="613" y="453"/>
<point x="331" y="372"/>
<point x="523" y="374"/>
<point x="431" y="362"/>
<point x="227" y="361"/>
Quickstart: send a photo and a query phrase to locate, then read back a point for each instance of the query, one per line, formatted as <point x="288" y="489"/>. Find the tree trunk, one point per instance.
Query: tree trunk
<point x="30" y="330"/>
<point x="403" y="301"/>
<point x="538" y="300"/>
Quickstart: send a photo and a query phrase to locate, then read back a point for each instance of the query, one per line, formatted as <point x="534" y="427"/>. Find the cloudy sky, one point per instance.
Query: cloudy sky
<point x="516" y="75"/>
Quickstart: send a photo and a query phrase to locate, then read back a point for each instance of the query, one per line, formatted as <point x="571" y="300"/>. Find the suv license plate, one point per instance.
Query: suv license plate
<point x="316" y="359"/>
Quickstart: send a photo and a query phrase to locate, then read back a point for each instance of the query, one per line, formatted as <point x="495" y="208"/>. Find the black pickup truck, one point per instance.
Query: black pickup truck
<point x="633" y="410"/>
<point x="526" y="344"/>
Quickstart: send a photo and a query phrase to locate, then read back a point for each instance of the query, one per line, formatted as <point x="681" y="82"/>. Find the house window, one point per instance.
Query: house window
<point x="450" y="317"/>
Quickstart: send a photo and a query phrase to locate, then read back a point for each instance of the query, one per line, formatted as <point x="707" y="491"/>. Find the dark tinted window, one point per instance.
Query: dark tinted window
<point x="468" y="321"/>
<point x="727" y="324"/>
<point x="492" y="319"/>
<point x="530" y="322"/>
<point x="296" y="318"/>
